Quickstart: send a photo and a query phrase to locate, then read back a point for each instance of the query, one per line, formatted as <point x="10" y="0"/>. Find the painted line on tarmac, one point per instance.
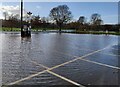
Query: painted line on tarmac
<point x="101" y="64"/>
<point x="57" y="75"/>
<point x="100" y="53"/>
<point x="33" y="75"/>
<point x="26" y="78"/>
<point x="85" y="48"/>
<point x="110" y="54"/>
<point x="66" y="79"/>
<point x="78" y="58"/>
<point x="115" y="48"/>
<point x="81" y="58"/>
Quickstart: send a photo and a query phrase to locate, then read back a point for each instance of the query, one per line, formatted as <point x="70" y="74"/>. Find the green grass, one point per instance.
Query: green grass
<point x="77" y="32"/>
<point x="43" y="29"/>
<point x="9" y="29"/>
<point x="18" y="29"/>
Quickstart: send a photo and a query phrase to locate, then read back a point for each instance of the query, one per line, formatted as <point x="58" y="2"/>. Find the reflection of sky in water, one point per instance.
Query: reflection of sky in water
<point x="46" y="49"/>
<point x="0" y="59"/>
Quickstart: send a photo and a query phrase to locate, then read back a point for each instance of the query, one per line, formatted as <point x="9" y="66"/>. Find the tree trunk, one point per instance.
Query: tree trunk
<point x="60" y="27"/>
<point x="11" y="28"/>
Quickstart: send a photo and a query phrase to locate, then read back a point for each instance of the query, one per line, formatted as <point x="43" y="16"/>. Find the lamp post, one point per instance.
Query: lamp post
<point x="22" y="33"/>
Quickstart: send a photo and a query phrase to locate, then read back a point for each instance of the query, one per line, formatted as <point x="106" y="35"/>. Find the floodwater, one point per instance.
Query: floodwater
<point x="23" y="57"/>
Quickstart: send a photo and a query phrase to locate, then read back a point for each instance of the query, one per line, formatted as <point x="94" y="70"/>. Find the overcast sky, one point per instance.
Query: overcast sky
<point x="107" y="10"/>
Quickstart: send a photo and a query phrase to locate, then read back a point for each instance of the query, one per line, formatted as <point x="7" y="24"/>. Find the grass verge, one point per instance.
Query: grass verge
<point x="77" y="32"/>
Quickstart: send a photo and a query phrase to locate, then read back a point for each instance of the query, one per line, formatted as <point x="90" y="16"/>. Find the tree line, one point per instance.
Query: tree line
<point x="60" y="17"/>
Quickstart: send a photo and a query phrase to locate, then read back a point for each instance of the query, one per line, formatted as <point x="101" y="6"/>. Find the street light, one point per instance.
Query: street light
<point x="29" y="13"/>
<point x="22" y="34"/>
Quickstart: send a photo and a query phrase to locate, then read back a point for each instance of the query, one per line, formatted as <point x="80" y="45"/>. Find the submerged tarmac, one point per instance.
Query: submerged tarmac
<point x="60" y="59"/>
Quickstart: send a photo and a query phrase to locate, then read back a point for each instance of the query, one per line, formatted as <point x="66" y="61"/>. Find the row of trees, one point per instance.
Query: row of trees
<point x="60" y="17"/>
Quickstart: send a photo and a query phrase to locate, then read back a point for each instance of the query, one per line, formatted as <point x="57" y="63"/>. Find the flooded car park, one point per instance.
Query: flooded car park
<point x="60" y="59"/>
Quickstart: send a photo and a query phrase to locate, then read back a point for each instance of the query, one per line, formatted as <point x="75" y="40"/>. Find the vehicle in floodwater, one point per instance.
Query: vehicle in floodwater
<point x="26" y="30"/>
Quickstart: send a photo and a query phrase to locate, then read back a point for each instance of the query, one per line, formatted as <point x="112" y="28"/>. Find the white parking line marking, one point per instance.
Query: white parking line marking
<point x="33" y="75"/>
<point x="114" y="48"/>
<point x="110" y="54"/>
<point x="78" y="58"/>
<point x="26" y="78"/>
<point x="66" y="79"/>
<point x="94" y="50"/>
<point x="55" y="74"/>
<point x="100" y="64"/>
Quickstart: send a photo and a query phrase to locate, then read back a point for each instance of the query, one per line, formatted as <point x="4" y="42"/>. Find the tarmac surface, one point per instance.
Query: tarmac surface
<point x="60" y="59"/>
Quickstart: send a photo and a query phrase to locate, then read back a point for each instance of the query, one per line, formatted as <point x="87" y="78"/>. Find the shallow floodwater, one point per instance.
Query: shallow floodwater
<point x="52" y="49"/>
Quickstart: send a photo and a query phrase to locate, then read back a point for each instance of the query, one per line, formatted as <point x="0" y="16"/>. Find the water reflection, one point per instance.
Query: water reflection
<point x="25" y="39"/>
<point x="115" y="49"/>
<point x="46" y="49"/>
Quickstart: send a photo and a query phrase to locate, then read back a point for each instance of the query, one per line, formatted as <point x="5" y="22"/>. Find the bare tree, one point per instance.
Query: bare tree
<point x="36" y="18"/>
<point x="5" y="14"/>
<point x="61" y="15"/>
<point x="96" y="19"/>
<point x="12" y="21"/>
<point x="36" y="22"/>
<point x="17" y="16"/>
<point x="82" y="20"/>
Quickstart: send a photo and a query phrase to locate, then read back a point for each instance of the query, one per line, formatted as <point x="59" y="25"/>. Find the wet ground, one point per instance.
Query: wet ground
<point x="60" y="59"/>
